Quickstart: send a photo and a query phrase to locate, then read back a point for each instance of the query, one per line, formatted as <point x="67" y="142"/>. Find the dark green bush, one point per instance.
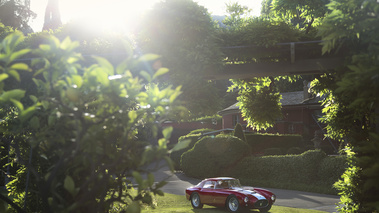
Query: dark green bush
<point x="214" y="156"/>
<point x="193" y="136"/>
<point x="238" y="132"/>
<point x="197" y="131"/>
<point x="331" y="169"/>
<point x="176" y="155"/>
<point x="312" y="169"/>
<point x="260" y="142"/>
<point x="273" y="151"/>
<point x="294" y="151"/>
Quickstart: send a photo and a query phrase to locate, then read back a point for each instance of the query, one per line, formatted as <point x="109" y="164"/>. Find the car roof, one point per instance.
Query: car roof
<point x="219" y="178"/>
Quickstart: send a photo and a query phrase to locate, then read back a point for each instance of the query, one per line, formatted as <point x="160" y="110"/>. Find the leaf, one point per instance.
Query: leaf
<point x="33" y="98"/>
<point x="34" y="123"/>
<point x="150" y="179"/>
<point x="149" y="57"/>
<point x="3" y="76"/>
<point x="77" y="80"/>
<point x="132" y="116"/>
<point x="26" y="114"/>
<point x="167" y="132"/>
<point x="14" y="74"/>
<point x="137" y="176"/>
<point x="18" y="54"/>
<point x="20" y="66"/>
<point x="17" y="104"/>
<point x="182" y="145"/>
<point x="160" y="72"/>
<point x="104" y="63"/>
<point x="69" y="185"/>
<point x="16" y="94"/>
<point x="146" y="75"/>
<point x="162" y="142"/>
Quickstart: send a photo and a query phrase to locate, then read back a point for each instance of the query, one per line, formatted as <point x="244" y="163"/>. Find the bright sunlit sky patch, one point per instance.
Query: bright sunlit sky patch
<point x="118" y="12"/>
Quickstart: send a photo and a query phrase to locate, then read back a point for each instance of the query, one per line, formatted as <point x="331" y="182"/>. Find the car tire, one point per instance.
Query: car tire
<point x="195" y="201"/>
<point x="232" y="204"/>
<point x="266" y="209"/>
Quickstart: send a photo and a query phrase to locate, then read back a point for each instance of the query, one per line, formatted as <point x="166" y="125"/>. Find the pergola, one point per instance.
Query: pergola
<point x="293" y="58"/>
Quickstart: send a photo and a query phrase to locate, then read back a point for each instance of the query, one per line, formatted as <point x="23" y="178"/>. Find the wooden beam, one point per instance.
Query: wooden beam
<point x="245" y="71"/>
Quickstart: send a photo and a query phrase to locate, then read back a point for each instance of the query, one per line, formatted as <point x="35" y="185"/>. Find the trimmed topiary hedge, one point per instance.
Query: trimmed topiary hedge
<point x="193" y="136"/>
<point x="260" y="142"/>
<point x="214" y="156"/>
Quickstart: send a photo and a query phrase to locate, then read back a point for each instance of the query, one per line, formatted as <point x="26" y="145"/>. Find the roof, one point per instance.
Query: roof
<point x="220" y="178"/>
<point x="288" y="99"/>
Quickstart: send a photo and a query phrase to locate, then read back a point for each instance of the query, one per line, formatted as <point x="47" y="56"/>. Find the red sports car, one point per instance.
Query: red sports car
<point x="228" y="192"/>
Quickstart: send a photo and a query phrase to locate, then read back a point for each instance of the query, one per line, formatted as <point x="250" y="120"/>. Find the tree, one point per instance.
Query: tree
<point x="183" y="33"/>
<point x="15" y="14"/>
<point x="307" y="14"/>
<point x="351" y="104"/>
<point x="79" y="129"/>
<point x="253" y="40"/>
<point x="52" y="16"/>
<point x="238" y="132"/>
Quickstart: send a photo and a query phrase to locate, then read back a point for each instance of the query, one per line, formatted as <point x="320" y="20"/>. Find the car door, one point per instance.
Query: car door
<point x="207" y="193"/>
<point x="223" y="192"/>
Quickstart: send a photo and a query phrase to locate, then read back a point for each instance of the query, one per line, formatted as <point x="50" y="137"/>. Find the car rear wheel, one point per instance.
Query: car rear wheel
<point x="232" y="204"/>
<point x="195" y="201"/>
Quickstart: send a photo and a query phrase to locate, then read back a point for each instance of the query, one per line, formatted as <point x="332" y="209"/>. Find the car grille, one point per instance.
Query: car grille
<point x="261" y="203"/>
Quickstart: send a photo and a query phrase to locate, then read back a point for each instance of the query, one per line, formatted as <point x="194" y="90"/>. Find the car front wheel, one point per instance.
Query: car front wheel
<point x="266" y="209"/>
<point x="195" y="201"/>
<point x="232" y="204"/>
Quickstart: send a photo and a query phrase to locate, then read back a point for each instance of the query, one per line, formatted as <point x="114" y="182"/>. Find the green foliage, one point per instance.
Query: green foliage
<point x="273" y="151"/>
<point x="16" y="15"/>
<point x="306" y="14"/>
<point x="258" y="101"/>
<point x="351" y="103"/>
<point x="183" y="33"/>
<point x="291" y="170"/>
<point x="82" y="125"/>
<point x="260" y="142"/>
<point x="187" y="141"/>
<point x="213" y="156"/>
<point x="238" y="132"/>
<point x="294" y="151"/>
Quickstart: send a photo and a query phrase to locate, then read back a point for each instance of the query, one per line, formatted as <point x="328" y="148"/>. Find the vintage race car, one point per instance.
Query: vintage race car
<point x="228" y="192"/>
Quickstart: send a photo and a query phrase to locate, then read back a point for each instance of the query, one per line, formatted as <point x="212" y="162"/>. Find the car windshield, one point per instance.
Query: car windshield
<point x="230" y="183"/>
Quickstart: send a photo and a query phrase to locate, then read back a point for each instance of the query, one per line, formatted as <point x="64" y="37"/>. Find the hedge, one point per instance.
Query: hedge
<point x="260" y="142"/>
<point x="312" y="169"/>
<point x="193" y="136"/>
<point x="214" y="156"/>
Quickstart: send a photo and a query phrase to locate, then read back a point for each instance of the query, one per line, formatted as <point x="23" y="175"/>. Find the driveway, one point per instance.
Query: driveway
<point x="178" y="182"/>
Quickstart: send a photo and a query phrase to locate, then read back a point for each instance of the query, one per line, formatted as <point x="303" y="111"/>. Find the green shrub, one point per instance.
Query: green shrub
<point x="213" y="156"/>
<point x="176" y="155"/>
<point x="197" y="131"/>
<point x="238" y="132"/>
<point x="273" y="151"/>
<point x="260" y="142"/>
<point x="331" y="169"/>
<point x="312" y="170"/>
<point x="294" y="151"/>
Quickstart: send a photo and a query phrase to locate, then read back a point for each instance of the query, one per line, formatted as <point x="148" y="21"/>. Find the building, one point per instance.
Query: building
<point x="300" y="114"/>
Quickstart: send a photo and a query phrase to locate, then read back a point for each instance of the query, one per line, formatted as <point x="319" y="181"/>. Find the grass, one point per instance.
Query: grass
<point x="170" y="203"/>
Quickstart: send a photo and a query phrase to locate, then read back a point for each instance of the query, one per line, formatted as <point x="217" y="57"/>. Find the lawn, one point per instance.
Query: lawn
<point x="178" y="204"/>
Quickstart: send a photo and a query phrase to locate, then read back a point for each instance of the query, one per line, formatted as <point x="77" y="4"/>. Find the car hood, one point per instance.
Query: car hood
<point x="249" y="191"/>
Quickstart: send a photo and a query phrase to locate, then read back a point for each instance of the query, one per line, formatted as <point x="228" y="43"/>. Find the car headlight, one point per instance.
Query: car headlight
<point x="246" y="199"/>
<point x="273" y="197"/>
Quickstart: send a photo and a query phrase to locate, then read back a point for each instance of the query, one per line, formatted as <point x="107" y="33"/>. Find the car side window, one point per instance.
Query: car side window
<point x="209" y="185"/>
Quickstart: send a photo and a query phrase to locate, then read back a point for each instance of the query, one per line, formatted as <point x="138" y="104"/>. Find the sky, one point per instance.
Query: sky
<point x="117" y="10"/>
